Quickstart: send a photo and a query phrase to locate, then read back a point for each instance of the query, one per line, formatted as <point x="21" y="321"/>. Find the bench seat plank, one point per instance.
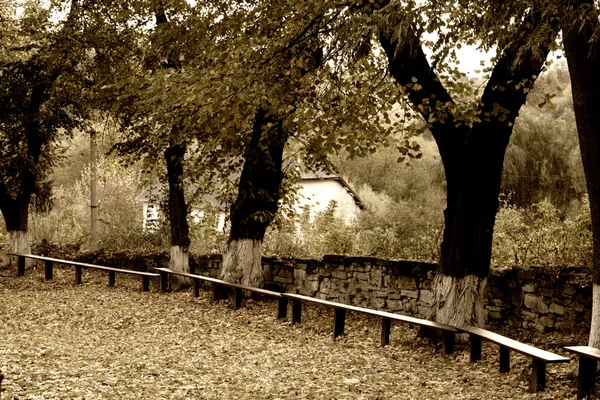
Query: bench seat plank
<point x="519" y="347"/>
<point x="85" y="265"/>
<point x="586" y="351"/>
<point x="382" y="314"/>
<point x="221" y="282"/>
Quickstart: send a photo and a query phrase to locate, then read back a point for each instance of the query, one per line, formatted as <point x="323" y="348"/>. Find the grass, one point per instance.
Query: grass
<point x="62" y="341"/>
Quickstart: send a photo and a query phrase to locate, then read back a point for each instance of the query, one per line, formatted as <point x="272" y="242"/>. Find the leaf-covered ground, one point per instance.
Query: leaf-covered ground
<point x="58" y="340"/>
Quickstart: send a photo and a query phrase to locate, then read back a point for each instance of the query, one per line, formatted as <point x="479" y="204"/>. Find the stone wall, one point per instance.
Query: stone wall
<point x="531" y="298"/>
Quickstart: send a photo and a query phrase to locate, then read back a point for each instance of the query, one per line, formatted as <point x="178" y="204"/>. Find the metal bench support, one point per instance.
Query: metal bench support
<point x="386" y="325"/>
<point x="48" y="270"/>
<point x="538" y="375"/>
<point x="78" y="270"/>
<point x="448" y="342"/>
<point x="282" y="306"/>
<point x="196" y="288"/>
<point x="504" y="359"/>
<point x="339" y="320"/>
<point x="145" y="283"/>
<point x="475" y="348"/>
<point x="296" y="311"/>
<point x="586" y="381"/>
<point x="21" y="266"/>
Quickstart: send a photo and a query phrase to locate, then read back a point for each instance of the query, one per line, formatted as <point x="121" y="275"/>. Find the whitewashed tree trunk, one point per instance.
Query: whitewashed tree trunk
<point x="594" y="340"/>
<point x="242" y="262"/>
<point x="179" y="261"/>
<point x="18" y="242"/>
<point x="458" y="301"/>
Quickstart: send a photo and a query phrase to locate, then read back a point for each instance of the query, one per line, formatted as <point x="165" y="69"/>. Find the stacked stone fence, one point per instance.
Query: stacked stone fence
<point x="533" y="298"/>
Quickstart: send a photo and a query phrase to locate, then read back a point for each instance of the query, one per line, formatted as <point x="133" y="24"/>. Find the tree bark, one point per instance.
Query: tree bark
<point x="180" y="238"/>
<point x="584" y="64"/>
<point x="472" y="153"/>
<point x="16" y="213"/>
<point x="257" y="201"/>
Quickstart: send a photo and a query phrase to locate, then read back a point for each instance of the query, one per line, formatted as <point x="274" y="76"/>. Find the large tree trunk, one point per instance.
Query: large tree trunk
<point x="584" y="66"/>
<point x="16" y="213"/>
<point x="472" y="152"/>
<point x="256" y="203"/>
<point x="180" y="238"/>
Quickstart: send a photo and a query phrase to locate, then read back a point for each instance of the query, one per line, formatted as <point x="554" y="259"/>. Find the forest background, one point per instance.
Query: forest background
<point x="543" y="220"/>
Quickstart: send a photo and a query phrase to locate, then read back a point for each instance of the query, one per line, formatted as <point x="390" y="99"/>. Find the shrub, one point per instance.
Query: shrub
<point x="538" y="236"/>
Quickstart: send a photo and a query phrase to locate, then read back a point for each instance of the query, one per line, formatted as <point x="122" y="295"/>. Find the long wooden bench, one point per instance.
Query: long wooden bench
<point x="539" y="357"/>
<point x="49" y="262"/>
<point x="339" y="316"/>
<point x="588" y="360"/>
<point x="217" y="283"/>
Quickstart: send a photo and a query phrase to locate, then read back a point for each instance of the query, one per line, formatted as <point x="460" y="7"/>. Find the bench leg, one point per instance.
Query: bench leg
<point x="386" y="325"/>
<point x="237" y="298"/>
<point x="145" y="283"/>
<point x="196" y="288"/>
<point x="164" y="282"/>
<point x="111" y="278"/>
<point x="282" y="306"/>
<point x="48" y="270"/>
<point x="587" y="377"/>
<point x="504" y="359"/>
<point x="21" y="266"/>
<point x="448" y="342"/>
<point x="475" y="348"/>
<point x="538" y="376"/>
<point x="296" y="311"/>
<point x="78" y="270"/>
<point x="339" y="320"/>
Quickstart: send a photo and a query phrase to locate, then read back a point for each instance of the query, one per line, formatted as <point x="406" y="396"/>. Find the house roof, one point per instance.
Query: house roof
<point x="322" y="175"/>
<point x="155" y="189"/>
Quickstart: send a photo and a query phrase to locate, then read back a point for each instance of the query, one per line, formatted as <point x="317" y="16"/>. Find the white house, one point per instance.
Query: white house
<point x="316" y="191"/>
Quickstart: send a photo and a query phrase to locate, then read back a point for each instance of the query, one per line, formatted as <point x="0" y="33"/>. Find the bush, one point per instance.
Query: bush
<point x="538" y="236"/>
<point x="119" y="215"/>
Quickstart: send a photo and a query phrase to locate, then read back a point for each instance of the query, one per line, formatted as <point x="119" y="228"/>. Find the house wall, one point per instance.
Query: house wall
<point x="318" y="193"/>
<point x="315" y="193"/>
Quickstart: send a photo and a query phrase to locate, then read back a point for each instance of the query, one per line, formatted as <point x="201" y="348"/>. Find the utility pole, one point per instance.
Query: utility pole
<point x="93" y="193"/>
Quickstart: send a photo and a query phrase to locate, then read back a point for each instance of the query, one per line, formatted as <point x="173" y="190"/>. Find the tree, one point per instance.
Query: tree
<point x="472" y="143"/>
<point x="582" y="47"/>
<point x="42" y="92"/>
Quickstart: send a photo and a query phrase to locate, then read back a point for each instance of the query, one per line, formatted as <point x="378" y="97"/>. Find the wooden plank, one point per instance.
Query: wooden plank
<point x="111" y="278"/>
<point x="538" y="375"/>
<point x="519" y="347"/>
<point x="475" y="348"/>
<point x="587" y="351"/>
<point x="48" y="270"/>
<point x="85" y="265"/>
<point x="382" y="314"/>
<point x="282" y="306"/>
<point x="386" y="325"/>
<point x="296" y="311"/>
<point x="504" y="359"/>
<point x="339" y="320"/>
<point x="21" y="266"/>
